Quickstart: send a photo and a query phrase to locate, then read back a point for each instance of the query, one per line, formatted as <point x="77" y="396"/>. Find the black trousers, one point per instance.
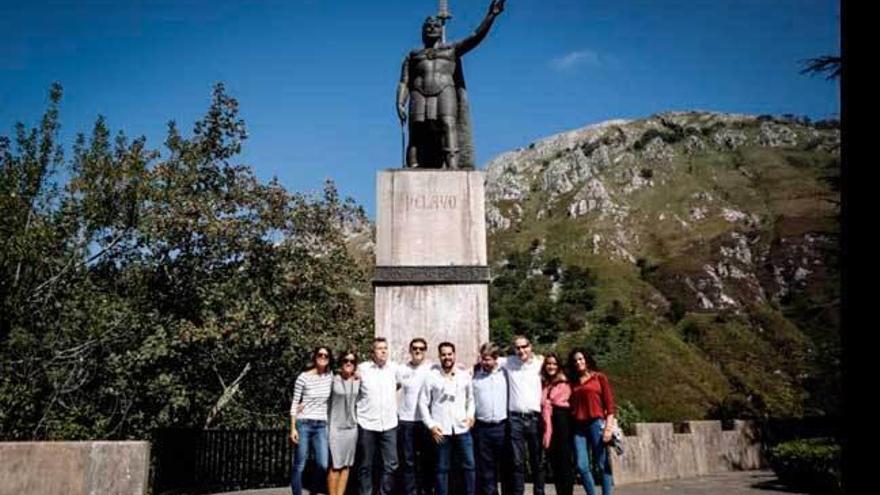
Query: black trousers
<point x="560" y="452"/>
<point x="367" y="444"/>
<point x="525" y="435"/>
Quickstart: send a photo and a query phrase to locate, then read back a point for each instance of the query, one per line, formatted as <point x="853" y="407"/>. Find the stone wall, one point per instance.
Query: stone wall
<point x="74" y="468"/>
<point x="656" y="452"/>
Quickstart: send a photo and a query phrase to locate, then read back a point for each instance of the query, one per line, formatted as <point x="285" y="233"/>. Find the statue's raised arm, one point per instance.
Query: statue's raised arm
<point x="469" y="43"/>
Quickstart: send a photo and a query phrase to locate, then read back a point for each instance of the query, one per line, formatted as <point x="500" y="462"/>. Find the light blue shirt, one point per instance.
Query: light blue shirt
<point x="490" y="394"/>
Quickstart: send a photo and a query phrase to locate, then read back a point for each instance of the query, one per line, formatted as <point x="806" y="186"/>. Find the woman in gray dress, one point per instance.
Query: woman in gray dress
<point x="343" y="427"/>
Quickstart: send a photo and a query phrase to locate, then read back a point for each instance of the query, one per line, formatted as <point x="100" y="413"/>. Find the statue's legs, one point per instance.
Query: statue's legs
<point x="412" y="156"/>
<point x="417" y="111"/>
<point x="450" y="142"/>
<point x="448" y="109"/>
<point x="412" y="152"/>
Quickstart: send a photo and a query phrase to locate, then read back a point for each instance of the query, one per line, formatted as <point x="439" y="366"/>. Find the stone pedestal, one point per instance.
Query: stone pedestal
<point x="431" y="275"/>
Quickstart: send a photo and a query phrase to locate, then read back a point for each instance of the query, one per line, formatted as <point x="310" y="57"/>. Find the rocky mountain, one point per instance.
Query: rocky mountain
<point x="712" y="240"/>
<point x="695" y="253"/>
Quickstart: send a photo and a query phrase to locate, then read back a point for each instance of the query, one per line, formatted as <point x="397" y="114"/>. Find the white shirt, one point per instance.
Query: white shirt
<point x="377" y="398"/>
<point x="490" y="394"/>
<point x="447" y="400"/>
<point x="411" y="378"/>
<point x="524" y="384"/>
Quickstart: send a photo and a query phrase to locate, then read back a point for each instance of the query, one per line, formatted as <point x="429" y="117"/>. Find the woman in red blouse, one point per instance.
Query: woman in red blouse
<point x="592" y="406"/>
<point x="556" y="415"/>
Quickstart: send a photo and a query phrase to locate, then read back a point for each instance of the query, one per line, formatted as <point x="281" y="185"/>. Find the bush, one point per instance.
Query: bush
<point x="827" y="124"/>
<point x="811" y="464"/>
<point x="628" y="415"/>
<point x="672" y="136"/>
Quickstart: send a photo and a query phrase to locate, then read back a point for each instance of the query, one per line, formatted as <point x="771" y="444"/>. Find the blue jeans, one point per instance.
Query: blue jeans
<point x="415" y="456"/>
<point x="463" y="445"/>
<point x="312" y="434"/>
<point x="367" y="442"/>
<point x="525" y="434"/>
<point x="588" y="445"/>
<point x="489" y="442"/>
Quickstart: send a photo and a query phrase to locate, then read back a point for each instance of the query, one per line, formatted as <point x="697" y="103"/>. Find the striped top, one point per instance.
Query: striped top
<point x="312" y="390"/>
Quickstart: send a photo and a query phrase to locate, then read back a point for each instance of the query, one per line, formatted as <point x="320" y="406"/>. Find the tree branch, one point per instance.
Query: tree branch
<point x="829" y="64"/>
<point x="70" y="263"/>
<point x="228" y="393"/>
<point x="27" y="226"/>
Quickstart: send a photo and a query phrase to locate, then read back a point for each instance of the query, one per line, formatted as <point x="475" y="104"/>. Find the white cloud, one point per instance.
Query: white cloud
<point x="575" y="59"/>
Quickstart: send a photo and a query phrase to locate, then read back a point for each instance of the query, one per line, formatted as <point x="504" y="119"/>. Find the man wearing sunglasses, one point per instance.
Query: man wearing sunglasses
<point x="524" y="413"/>
<point x="413" y="439"/>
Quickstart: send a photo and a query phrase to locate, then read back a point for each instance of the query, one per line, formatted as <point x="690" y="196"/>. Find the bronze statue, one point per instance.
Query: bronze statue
<point x="433" y="81"/>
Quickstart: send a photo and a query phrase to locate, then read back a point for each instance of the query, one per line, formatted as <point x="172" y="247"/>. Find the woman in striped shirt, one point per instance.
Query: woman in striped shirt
<point x="308" y="417"/>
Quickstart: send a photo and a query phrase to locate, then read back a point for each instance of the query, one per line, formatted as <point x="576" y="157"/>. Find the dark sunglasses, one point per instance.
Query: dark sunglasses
<point x="322" y="355"/>
<point x="419" y="348"/>
<point x="348" y="360"/>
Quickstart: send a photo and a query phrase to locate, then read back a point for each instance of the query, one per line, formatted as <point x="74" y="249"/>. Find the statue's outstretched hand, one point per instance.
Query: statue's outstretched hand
<point x="401" y="114"/>
<point x="496" y="7"/>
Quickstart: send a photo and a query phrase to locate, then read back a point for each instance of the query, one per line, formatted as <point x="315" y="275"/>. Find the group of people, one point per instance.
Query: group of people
<point x="426" y="420"/>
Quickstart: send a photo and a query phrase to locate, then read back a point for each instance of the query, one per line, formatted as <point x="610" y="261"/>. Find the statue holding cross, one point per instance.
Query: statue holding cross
<point x="432" y="82"/>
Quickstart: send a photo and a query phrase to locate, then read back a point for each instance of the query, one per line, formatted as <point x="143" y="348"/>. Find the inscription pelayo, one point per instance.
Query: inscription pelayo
<point x="429" y="201"/>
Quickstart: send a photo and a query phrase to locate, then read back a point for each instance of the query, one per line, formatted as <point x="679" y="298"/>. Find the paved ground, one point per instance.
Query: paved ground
<point x="737" y="483"/>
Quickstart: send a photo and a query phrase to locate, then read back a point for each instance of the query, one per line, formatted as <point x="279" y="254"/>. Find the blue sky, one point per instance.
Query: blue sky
<point x="316" y="78"/>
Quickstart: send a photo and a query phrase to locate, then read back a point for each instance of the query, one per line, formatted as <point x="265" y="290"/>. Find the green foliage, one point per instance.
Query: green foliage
<point x="628" y="415"/>
<point x="538" y="298"/>
<point x="161" y="289"/>
<point x="671" y="133"/>
<point x="744" y="345"/>
<point x="812" y="465"/>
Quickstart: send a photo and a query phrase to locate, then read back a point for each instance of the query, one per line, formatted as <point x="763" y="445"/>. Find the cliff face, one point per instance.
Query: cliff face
<point x="712" y="237"/>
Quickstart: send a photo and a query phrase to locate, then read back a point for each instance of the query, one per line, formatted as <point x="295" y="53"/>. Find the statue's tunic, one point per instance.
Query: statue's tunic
<point x="432" y="95"/>
<point x="436" y="90"/>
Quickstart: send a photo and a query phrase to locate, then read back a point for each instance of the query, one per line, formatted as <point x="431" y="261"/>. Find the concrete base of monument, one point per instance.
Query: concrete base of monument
<point x="431" y="274"/>
<point x="430" y="218"/>
<point x="458" y="313"/>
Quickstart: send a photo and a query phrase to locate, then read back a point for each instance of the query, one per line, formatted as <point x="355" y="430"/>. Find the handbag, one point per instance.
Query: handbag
<point x="616" y="441"/>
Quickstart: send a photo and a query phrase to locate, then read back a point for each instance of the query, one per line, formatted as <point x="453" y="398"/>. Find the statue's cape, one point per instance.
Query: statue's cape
<point x="465" y="137"/>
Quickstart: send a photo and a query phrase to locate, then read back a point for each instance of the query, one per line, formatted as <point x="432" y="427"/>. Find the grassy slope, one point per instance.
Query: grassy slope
<point x="706" y="364"/>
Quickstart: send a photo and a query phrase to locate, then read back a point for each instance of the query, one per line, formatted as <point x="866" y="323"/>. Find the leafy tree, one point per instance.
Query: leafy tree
<point x="539" y="298"/>
<point x="161" y="289"/>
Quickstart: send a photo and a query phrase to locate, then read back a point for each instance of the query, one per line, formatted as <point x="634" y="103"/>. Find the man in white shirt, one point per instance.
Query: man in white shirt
<point x="524" y="413"/>
<point x="446" y="404"/>
<point x="489" y="432"/>
<point x="377" y="419"/>
<point x="415" y="452"/>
